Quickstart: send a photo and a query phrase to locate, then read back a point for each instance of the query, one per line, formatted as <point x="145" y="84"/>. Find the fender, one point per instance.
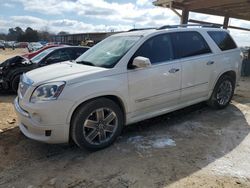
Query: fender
<point x="97" y="95"/>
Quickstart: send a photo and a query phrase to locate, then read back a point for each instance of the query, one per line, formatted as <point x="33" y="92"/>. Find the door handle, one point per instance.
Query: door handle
<point x="173" y="70"/>
<point x="210" y="62"/>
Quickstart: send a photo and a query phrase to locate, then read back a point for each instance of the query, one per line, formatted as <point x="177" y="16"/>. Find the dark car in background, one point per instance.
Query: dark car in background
<point x="33" y="54"/>
<point x="13" y="68"/>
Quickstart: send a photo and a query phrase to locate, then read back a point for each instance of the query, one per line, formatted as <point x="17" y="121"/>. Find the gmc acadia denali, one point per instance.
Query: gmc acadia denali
<point x="126" y="78"/>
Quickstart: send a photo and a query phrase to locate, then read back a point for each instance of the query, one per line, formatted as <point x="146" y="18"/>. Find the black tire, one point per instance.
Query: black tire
<point x="14" y="83"/>
<point x="215" y="100"/>
<point x="82" y="134"/>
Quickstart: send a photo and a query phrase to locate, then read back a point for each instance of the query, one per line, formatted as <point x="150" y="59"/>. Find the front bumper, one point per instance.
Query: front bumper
<point x="31" y="128"/>
<point x="3" y="83"/>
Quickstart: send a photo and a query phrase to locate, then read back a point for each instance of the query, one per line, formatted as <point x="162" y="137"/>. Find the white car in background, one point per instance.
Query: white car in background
<point x="2" y="44"/>
<point x="34" y="46"/>
<point x="126" y="78"/>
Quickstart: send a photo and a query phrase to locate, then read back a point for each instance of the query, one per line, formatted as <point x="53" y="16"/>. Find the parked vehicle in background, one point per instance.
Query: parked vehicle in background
<point x="9" y="44"/>
<point x="33" y="46"/>
<point x="245" y="52"/>
<point x="89" y="43"/>
<point x="54" y="43"/>
<point x="126" y="78"/>
<point x="21" y="45"/>
<point x="13" y="68"/>
<point x="32" y="54"/>
<point x="2" y="45"/>
<point x="43" y="42"/>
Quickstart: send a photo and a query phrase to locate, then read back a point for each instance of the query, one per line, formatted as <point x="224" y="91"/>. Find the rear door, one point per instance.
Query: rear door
<point x="197" y="63"/>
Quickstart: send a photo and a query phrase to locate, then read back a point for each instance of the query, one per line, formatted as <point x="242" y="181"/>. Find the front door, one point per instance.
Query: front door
<point x="157" y="87"/>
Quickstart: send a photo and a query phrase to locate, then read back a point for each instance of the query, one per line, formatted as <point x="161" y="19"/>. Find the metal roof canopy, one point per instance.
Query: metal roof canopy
<point x="239" y="9"/>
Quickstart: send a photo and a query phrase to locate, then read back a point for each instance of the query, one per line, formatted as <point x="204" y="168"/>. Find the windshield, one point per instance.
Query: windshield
<point x="41" y="55"/>
<point x="108" y="52"/>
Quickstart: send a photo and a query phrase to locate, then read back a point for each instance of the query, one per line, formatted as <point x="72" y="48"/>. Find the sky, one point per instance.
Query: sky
<point x="79" y="16"/>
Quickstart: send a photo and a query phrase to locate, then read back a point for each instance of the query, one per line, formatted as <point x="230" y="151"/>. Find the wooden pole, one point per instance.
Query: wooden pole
<point x="226" y="21"/>
<point x="184" y="17"/>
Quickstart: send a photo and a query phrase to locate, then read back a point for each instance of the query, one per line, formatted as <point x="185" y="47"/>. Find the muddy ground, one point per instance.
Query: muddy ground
<point x="194" y="147"/>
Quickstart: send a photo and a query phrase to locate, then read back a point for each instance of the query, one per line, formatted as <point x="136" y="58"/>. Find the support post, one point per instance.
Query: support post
<point x="226" y="21"/>
<point x="184" y="17"/>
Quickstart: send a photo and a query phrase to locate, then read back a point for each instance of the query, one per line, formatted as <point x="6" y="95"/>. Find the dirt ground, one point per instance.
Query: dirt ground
<point x="8" y="52"/>
<point x="194" y="147"/>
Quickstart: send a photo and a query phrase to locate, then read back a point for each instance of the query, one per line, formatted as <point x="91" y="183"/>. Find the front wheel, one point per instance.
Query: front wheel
<point x="223" y="92"/>
<point x="96" y="124"/>
<point x="14" y="83"/>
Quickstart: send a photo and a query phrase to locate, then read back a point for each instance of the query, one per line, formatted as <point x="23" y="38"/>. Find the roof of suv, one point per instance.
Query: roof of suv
<point x="145" y="32"/>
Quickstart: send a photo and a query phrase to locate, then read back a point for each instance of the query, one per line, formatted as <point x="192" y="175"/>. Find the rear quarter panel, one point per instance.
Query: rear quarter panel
<point x="227" y="61"/>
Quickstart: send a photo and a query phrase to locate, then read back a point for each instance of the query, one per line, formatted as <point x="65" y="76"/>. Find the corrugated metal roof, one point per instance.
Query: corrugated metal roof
<point x="239" y="9"/>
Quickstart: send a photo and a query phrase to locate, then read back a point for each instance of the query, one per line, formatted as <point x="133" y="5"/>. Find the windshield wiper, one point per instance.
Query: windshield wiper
<point x="85" y="63"/>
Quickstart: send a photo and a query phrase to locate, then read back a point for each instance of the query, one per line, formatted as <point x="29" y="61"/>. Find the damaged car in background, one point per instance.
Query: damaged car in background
<point x="13" y="68"/>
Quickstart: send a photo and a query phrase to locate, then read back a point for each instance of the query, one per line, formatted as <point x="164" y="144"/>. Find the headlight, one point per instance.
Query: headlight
<point x="47" y="92"/>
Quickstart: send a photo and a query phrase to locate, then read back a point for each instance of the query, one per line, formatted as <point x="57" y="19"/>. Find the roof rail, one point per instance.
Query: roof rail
<point x="139" y="29"/>
<point x="189" y="25"/>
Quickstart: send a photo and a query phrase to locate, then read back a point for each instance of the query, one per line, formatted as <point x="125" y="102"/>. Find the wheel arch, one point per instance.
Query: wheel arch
<point x="15" y="73"/>
<point x="230" y="73"/>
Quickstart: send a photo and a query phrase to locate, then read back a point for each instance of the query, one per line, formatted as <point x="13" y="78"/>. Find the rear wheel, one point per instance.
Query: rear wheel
<point x="14" y="83"/>
<point x="223" y="92"/>
<point x="96" y="124"/>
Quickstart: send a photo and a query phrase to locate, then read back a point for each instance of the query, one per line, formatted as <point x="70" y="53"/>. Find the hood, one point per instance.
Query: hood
<point x="65" y="71"/>
<point x="15" y="61"/>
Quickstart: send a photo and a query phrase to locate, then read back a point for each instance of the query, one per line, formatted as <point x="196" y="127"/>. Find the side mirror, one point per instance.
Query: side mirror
<point x="141" y="62"/>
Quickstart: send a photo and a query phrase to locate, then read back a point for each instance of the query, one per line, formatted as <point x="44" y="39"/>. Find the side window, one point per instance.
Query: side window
<point x="158" y="49"/>
<point x="79" y="51"/>
<point x="59" y="55"/>
<point x="189" y="43"/>
<point x="223" y="40"/>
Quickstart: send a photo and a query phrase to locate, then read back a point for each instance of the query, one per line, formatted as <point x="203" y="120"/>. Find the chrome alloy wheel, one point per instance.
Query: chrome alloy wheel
<point x="100" y="126"/>
<point x="224" y="92"/>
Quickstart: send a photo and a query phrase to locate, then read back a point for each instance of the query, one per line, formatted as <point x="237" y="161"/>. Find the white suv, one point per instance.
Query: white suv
<point x="126" y="78"/>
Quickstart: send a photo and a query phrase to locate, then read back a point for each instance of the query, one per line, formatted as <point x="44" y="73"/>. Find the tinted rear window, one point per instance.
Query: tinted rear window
<point x="188" y="44"/>
<point x="223" y="40"/>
